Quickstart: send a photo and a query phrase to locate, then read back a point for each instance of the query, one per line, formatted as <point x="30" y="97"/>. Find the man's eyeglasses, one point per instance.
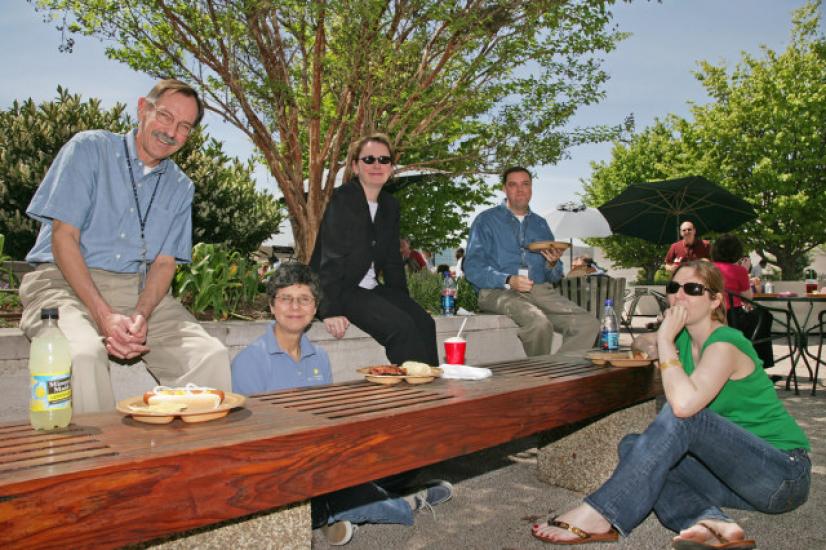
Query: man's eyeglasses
<point x="167" y="119"/>
<point x="692" y="289"/>
<point x="370" y="159"/>
<point x="287" y="300"/>
<point x="687" y="230"/>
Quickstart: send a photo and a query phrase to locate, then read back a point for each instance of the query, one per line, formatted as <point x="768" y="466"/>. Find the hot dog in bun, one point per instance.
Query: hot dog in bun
<point x="193" y="397"/>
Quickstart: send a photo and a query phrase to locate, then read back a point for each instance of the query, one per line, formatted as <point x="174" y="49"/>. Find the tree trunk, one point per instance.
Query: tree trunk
<point x="791" y="264"/>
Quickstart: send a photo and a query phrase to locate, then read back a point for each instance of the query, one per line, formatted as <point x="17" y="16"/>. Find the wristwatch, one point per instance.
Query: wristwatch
<point x="508" y="282"/>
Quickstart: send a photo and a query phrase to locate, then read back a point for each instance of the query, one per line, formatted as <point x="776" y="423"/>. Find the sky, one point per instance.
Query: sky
<point x="650" y="72"/>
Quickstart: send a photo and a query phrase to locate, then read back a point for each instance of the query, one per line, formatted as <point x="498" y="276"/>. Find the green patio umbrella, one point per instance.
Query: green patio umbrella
<point x="654" y="210"/>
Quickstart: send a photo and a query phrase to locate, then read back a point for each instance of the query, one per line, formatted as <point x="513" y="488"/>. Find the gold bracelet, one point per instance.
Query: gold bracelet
<point x="670" y="363"/>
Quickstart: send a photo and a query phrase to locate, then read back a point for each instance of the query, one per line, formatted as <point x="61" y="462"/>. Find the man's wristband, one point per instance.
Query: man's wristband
<point x="508" y="282"/>
<point x="670" y="363"/>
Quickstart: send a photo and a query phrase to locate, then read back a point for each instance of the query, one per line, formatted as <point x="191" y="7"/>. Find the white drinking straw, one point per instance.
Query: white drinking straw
<point x="461" y="328"/>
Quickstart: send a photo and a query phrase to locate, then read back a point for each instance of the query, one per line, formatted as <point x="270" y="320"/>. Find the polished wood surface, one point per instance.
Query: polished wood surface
<point x="107" y="480"/>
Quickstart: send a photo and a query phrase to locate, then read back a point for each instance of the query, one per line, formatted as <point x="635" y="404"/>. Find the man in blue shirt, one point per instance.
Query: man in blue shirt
<point x="115" y="217"/>
<point x="517" y="282"/>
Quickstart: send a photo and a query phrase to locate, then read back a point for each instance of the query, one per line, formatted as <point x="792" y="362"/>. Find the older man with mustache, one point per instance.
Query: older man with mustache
<point x="115" y="218"/>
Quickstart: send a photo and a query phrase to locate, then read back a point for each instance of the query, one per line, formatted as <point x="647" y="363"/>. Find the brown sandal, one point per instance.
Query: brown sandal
<point x="724" y="544"/>
<point x="584" y="537"/>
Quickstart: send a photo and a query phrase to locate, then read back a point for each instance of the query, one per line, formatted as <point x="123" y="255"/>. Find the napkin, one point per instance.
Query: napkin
<point x="464" y="372"/>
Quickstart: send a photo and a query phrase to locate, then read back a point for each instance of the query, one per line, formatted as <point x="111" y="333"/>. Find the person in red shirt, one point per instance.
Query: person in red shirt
<point x="725" y="253"/>
<point x="689" y="248"/>
<point x="413" y="259"/>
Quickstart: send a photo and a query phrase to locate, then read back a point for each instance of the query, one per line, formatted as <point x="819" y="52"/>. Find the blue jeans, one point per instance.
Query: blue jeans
<point x="366" y="503"/>
<point x="685" y="469"/>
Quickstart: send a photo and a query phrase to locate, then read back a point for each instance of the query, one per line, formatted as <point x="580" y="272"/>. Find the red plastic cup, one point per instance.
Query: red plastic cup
<point x="811" y="287"/>
<point x="455" y="351"/>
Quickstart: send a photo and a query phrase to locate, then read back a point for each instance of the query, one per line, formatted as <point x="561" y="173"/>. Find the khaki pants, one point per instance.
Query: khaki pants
<point x="181" y="351"/>
<point x="538" y="314"/>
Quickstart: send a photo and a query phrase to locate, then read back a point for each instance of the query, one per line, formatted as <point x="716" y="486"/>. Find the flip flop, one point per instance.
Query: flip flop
<point x="584" y="537"/>
<point x="724" y="544"/>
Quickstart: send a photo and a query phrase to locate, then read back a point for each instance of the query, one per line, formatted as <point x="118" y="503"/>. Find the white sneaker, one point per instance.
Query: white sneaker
<point x="339" y="533"/>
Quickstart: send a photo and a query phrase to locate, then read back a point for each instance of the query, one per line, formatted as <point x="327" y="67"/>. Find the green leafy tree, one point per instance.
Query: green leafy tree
<point x="763" y="137"/>
<point x="657" y="153"/>
<point x="430" y="216"/>
<point x="463" y="87"/>
<point x="226" y="207"/>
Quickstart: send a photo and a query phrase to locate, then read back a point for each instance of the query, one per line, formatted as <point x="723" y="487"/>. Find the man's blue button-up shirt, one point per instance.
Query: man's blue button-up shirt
<point x="497" y="247"/>
<point x="88" y="187"/>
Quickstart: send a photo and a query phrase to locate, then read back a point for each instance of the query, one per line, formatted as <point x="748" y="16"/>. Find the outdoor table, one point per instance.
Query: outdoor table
<point x="798" y="331"/>
<point x="107" y="480"/>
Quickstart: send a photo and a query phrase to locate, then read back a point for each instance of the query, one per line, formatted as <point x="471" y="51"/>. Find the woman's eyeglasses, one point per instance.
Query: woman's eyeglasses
<point x="287" y="301"/>
<point x="692" y="289"/>
<point x="370" y="159"/>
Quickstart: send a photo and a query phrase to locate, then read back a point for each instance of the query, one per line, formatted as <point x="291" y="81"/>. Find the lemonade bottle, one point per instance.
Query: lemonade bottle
<point x="50" y="368"/>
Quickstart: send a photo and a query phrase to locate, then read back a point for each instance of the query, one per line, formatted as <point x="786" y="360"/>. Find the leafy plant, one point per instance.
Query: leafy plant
<point x="6" y="273"/>
<point x="218" y="278"/>
<point x="426" y="288"/>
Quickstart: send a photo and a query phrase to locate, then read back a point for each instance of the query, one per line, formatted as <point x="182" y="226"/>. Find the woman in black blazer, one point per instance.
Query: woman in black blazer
<point x="358" y="260"/>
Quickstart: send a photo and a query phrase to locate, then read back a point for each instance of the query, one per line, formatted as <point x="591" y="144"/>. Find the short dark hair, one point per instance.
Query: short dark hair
<point x="174" y="86"/>
<point x="727" y="249"/>
<point x="511" y="170"/>
<point x="293" y="273"/>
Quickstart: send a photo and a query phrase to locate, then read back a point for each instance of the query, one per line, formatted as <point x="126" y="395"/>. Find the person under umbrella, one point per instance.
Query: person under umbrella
<point x="689" y="247"/>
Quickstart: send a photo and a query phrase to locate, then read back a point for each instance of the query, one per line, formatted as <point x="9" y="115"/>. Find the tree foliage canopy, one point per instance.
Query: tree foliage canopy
<point x="464" y="87"/>
<point x="762" y="137"/>
<point x="226" y="207"/>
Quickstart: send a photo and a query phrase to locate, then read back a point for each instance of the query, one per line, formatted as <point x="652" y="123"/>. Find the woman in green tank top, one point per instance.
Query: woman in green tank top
<point x="724" y="439"/>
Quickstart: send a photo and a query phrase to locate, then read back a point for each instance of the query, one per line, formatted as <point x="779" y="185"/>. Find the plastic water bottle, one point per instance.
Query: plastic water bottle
<point x="50" y="369"/>
<point x="448" y="295"/>
<point x="609" y="331"/>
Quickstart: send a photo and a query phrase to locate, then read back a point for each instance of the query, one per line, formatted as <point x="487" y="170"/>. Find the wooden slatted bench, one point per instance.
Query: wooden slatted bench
<point x="108" y="481"/>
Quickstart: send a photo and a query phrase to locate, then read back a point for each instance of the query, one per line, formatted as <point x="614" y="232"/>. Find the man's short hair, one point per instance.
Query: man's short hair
<point x="513" y="169"/>
<point x="174" y="86"/>
<point x="293" y="273"/>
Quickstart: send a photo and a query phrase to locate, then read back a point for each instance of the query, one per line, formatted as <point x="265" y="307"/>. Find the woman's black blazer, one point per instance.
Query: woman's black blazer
<point x="349" y="240"/>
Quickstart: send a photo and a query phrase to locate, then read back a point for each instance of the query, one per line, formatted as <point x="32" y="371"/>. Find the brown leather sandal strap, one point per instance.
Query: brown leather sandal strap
<point x="715" y="533"/>
<point x="575" y="530"/>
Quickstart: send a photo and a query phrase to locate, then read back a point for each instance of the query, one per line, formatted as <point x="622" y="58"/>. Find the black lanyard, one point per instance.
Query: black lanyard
<point x="141" y="218"/>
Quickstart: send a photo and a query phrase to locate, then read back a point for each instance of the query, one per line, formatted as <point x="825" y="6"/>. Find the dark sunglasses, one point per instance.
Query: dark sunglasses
<point x="370" y="159"/>
<point x="692" y="289"/>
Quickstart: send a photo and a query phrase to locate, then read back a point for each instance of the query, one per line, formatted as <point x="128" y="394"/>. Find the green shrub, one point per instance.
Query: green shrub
<point x="426" y="288"/>
<point x="6" y="273"/>
<point x="218" y="279"/>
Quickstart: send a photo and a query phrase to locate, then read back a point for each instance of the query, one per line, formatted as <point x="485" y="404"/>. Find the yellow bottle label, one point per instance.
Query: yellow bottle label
<point x="51" y="391"/>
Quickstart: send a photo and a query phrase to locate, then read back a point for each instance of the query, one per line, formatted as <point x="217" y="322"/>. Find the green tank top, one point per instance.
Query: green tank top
<point x="750" y="402"/>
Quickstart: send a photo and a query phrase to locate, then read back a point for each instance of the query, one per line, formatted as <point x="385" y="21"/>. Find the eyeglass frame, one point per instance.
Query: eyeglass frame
<point x="166" y="118"/>
<point x="287" y="300"/>
<point x="673" y="287"/>
<point x="371" y="159"/>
